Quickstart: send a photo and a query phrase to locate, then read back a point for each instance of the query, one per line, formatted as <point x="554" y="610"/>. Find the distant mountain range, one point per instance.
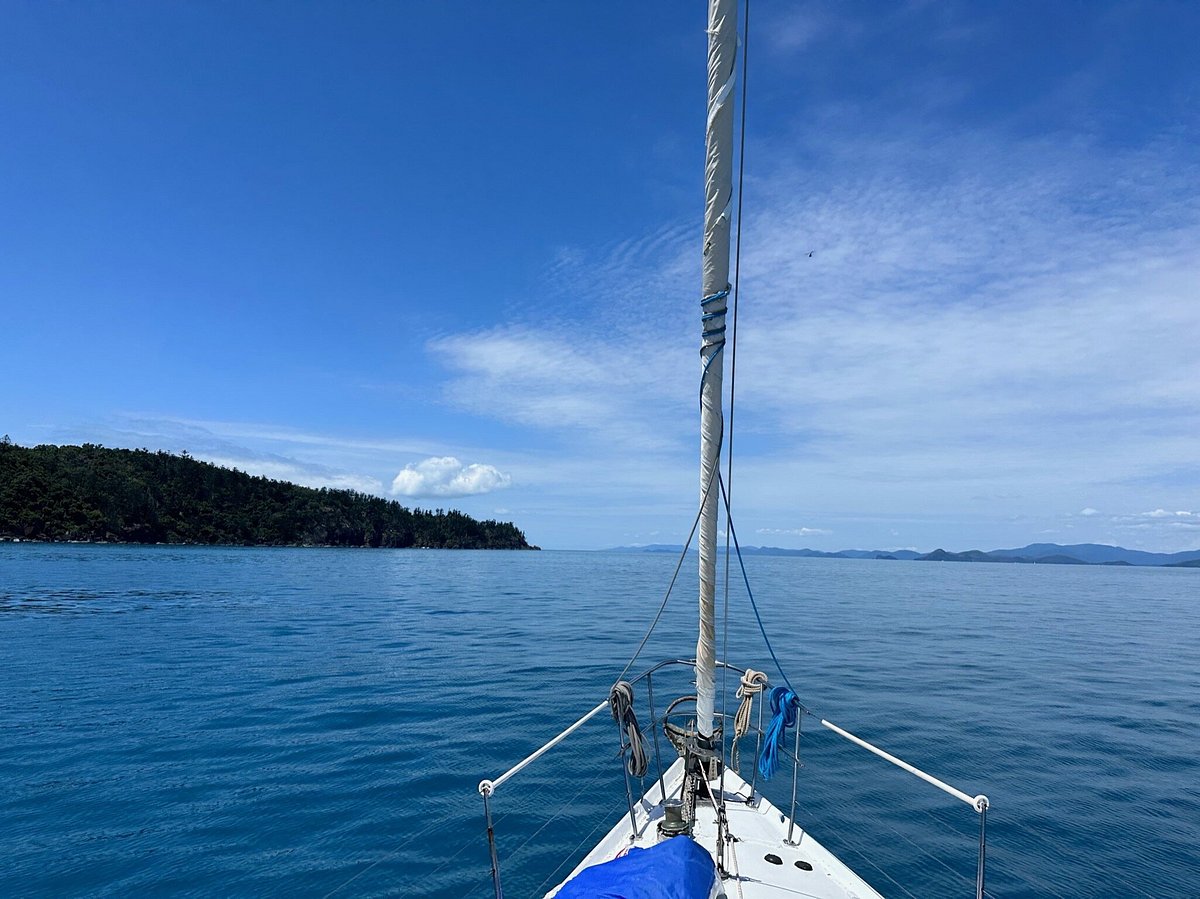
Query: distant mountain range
<point x="1034" y="553"/>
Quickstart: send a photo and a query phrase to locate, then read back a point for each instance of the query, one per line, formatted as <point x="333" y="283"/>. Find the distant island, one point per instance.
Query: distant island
<point x="97" y="495"/>
<point x="1033" y="554"/>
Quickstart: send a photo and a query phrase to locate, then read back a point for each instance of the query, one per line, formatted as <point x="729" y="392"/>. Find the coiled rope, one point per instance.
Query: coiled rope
<point x="752" y="684"/>
<point x="784" y="708"/>
<point x="620" y="700"/>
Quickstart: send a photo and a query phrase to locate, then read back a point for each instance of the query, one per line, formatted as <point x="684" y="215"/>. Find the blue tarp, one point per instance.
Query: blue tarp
<point x="677" y="868"/>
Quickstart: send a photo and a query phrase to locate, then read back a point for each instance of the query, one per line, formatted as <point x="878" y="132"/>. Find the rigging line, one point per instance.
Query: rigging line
<point x="571" y="855"/>
<point x="737" y="252"/>
<point x="499" y="819"/>
<point x="470" y="841"/>
<point x="959" y="874"/>
<point x="475" y="886"/>
<point x="737" y="277"/>
<point x="714" y="473"/>
<point x="753" y="604"/>
<point x="950" y="828"/>
<point x="1053" y="840"/>
<point x="378" y="861"/>
<point x="674" y="577"/>
<point x="1050" y="839"/>
<point x="1016" y="872"/>
<point x="1046" y="836"/>
<point x="558" y="813"/>
<point x="856" y="848"/>
<point x="957" y="834"/>
<point x="446" y="823"/>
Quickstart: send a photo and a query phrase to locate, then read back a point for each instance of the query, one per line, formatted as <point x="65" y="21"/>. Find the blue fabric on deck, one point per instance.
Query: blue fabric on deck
<point x="677" y="868"/>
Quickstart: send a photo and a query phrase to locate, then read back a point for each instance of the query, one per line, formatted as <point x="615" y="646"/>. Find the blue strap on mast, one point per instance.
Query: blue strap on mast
<point x="785" y="706"/>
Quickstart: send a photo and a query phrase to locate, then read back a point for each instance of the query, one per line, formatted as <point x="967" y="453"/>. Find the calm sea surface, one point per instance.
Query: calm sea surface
<point x="310" y="722"/>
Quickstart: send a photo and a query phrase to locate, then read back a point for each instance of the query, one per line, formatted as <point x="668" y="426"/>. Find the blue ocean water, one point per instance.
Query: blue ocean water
<point x="311" y="722"/>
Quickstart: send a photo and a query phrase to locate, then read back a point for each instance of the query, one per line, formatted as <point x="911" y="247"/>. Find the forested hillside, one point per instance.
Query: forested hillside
<point x="91" y="493"/>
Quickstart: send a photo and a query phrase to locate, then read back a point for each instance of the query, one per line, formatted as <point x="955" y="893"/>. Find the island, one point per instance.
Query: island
<point x="1033" y="554"/>
<point x="95" y="494"/>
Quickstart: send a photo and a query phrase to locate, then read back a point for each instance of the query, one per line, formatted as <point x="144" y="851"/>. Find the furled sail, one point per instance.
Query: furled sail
<point x="718" y="192"/>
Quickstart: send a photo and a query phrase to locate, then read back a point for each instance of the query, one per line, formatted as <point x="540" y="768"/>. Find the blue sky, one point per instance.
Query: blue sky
<point x="449" y="252"/>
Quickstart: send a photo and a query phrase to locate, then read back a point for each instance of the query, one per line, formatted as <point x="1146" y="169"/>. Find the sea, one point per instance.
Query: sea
<point x="197" y="721"/>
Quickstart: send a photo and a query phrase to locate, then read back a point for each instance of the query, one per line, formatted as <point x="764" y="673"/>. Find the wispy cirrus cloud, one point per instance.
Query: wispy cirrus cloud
<point x="978" y="317"/>
<point x="308" y="458"/>
<point x="1159" y="519"/>
<point x="266" y="451"/>
<point x="575" y="385"/>
<point x="792" y="532"/>
<point x="296" y="472"/>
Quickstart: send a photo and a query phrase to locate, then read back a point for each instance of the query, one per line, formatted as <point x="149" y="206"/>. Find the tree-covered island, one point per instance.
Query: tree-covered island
<point x="93" y="494"/>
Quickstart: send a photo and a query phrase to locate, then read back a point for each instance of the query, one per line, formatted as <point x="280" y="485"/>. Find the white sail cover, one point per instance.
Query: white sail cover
<point x="718" y="192"/>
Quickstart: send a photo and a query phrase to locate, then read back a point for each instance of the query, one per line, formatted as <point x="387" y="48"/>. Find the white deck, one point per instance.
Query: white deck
<point x="759" y="829"/>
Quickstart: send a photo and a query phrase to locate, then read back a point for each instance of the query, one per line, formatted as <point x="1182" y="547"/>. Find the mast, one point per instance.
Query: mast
<point x="718" y="192"/>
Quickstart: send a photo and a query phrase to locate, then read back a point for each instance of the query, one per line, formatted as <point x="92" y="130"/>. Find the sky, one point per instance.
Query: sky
<point x="449" y="253"/>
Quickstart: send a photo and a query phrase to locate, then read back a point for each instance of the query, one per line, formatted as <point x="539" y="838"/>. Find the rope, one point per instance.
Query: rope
<point x="621" y="701"/>
<point x="373" y="864"/>
<point x="753" y="682"/>
<point x="754" y="606"/>
<point x="714" y="475"/>
<point x="784" y="708"/>
<point x="737" y="870"/>
<point x="678" y="566"/>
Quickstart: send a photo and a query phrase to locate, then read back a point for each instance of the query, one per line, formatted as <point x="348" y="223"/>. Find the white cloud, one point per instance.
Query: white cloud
<point x="1089" y="511"/>
<point x="446" y="476"/>
<point x="792" y="532"/>
<point x="1163" y="513"/>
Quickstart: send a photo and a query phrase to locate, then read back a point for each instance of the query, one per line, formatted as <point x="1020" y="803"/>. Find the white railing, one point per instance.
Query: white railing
<point x="979" y="803"/>
<point x="488" y="787"/>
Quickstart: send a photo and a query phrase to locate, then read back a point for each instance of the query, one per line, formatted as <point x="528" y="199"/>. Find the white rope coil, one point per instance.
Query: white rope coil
<point x="753" y="682"/>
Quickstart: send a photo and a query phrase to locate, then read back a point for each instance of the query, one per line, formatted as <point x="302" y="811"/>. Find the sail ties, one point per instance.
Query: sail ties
<point x="620" y="700"/>
<point x="785" y="706"/>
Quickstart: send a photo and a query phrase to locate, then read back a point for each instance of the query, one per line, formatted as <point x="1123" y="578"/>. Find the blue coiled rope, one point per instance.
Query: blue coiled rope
<point x="784" y="707"/>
